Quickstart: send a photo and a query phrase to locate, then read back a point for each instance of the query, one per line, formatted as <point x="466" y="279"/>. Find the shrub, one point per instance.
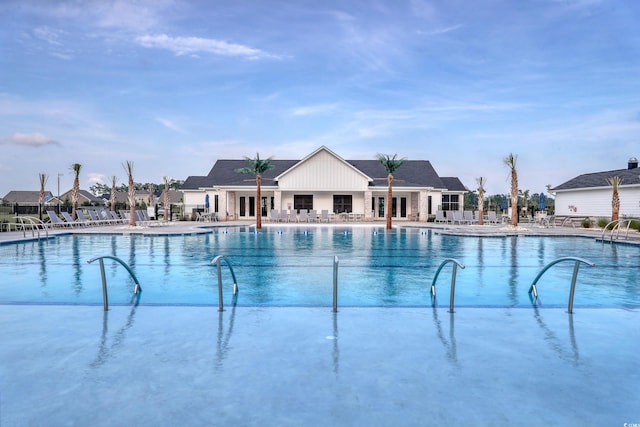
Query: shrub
<point x="602" y="222"/>
<point x="586" y="223"/>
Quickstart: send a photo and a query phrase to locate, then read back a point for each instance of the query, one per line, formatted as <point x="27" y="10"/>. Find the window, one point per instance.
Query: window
<point x="403" y="207"/>
<point x="302" y="201"/>
<point x="215" y="203"/>
<point x="342" y="203"/>
<point x="450" y="202"/>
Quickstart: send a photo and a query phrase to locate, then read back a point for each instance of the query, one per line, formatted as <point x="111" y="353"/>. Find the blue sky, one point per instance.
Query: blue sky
<point x="174" y="85"/>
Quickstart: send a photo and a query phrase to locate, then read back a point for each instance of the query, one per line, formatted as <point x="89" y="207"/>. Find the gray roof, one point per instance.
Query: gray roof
<point x="412" y="173"/>
<point x="26" y="197"/>
<point x="599" y="179"/>
<point x="452" y="183"/>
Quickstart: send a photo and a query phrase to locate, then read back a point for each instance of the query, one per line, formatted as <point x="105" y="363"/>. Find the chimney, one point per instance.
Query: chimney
<point x="633" y="163"/>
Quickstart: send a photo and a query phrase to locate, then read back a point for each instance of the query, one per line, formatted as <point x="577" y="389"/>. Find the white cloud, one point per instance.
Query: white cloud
<point x="442" y="30"/>
<point x="49" y="35"/>
<point x="314" y="109"/>
<point x="28" y="139"/>
<point x="170" y="125"/>
<point x="193" y="45"/>
<point x="95" y="178"/>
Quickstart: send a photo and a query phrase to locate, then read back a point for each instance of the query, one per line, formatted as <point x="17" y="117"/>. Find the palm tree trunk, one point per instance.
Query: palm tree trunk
<point x="389" y="199"/>
<point x="259" y="202"/>
<point x="514" y="197"/>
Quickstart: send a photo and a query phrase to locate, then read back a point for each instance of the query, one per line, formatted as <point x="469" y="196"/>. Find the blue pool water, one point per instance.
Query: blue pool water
<point x="294" y="266"/>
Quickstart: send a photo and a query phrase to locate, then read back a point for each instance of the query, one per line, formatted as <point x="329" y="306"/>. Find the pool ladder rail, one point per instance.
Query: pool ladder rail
<point x="533" y="289"/>
<point x="217" y="261"/>
<point x="616" y="226"/>
<point x="456" y="264"/>
<point x="105" y="298"/>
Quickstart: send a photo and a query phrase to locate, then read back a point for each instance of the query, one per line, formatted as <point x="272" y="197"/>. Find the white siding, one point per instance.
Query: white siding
<point x="323" y="172"/>
<point x="597" y="202"/>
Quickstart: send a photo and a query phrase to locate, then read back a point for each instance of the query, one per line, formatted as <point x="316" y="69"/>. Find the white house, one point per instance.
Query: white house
<point x="324" y="181"/>
<point x="591" y="194"/>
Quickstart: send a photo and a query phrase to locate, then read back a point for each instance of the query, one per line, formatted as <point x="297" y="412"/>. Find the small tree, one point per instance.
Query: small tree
<point x="43" y="181"/>
<point x="128" y="167"/>
<point x="112" y="202"/>
<point x="510" y="161"/>
<point x="481" y="183"/>
<point x="76" y="167"/>
<point x="390" y="165"/>
<point x="615" y="182"/>
<point x="257" y="167"/>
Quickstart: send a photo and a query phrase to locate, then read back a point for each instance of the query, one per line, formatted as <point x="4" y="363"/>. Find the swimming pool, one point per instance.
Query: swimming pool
<point x="282" y="357"/>
<point x="294" y="267"/>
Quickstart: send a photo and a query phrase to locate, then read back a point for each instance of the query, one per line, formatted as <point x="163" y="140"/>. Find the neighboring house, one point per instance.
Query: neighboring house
<point x="27" y="198"/>
<point x="324" y="180"/>
<point x="84" y="197"/>
<point x="591" y="194"/>
<point x="142" y="196"/>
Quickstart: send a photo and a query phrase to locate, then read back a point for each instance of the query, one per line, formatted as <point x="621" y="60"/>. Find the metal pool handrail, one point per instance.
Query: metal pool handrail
<point x="34" y="223"/>
<point x="456" y="264"/>
<point x="105" y="299"/>
<point x="533" y="288"/>
<point x="218" y="262"/>
<point x="615" y="229"/>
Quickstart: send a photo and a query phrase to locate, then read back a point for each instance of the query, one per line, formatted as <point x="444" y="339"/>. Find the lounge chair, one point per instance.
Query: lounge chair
<point x="468" y="217"/>
<point x="458" y="217"/>
<point x="56" y="221"/>
<point x="83" y="219"/>
<point x="440" y="216"/>
<point x="67" y="217"/>
<point x="304" y="216"/>
<point x="274" y="215"/>
<point x="324" y="215"/>
<point x="492" y="218"/>
<point x="313" y="215"/>
<point x="284" y="216"/>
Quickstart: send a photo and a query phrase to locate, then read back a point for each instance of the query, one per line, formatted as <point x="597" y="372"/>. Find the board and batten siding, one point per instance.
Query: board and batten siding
<point x="323" y="172"/>
<point x="596" y="202"/>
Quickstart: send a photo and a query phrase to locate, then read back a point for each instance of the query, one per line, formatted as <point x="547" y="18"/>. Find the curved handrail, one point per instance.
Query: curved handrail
<point x="35" y="224"/>
<point x="218" y="262"/>
<point x="105" y="299"/>
<point x="456" y="264"/>
<point x="533" y="288"/>
<point x="615" y="229"/>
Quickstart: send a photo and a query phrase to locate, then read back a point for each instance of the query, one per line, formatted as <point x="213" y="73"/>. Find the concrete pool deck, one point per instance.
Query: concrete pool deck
<point x="292" y="366"/>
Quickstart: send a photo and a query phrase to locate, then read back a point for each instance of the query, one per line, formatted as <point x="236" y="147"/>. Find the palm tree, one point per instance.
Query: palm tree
<point x="510" y="161"/>
<point x="390" y="165"/>
<point x="525" y="200"/>
<point x="128" y="167"/>
<point x="43" y="181"/>
<point x="481" y="183"/>
<point x="257" y="167"/>
<point x="167" y="181"/>
<point x="112" y="202"/>
<point x="76" y="189"/>
<point x="615" y="182"/>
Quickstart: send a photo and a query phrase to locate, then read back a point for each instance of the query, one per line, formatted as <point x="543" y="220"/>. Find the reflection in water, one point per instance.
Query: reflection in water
<point x="43" y="263"/>
<point x="105" y="351"/>
<point x="513" y="277"/>
<point x="167" y="256"/>
<point x="449" y="345"/>
<point x="336" y="349"/>
<point x="555" y="343"/>
<point x="223" y="339"/>
<point x="75" y="252"/>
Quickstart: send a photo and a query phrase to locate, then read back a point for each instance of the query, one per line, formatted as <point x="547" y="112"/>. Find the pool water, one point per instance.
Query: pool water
<point x="294" y="267"/>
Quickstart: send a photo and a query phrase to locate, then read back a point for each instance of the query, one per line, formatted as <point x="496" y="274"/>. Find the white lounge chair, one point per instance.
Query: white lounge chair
<point x="324" y="215"/>
<point x="468" y="217"/>
<point x="440" y="216"/>
<point x="303" y="216"/>
<point x="67" y="217"/>
<point x="56" y="221"/>
<point x="492" y="218"/>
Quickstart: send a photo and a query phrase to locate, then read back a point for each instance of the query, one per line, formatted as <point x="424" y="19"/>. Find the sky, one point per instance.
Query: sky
<point x="174" y="85"/>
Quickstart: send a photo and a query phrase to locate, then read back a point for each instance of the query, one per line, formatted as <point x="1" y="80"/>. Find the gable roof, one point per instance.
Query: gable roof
<point x="332" y="154"/>
<point x="412" y="173"/>
<point x="599" y="179"/>
<point x="26" y="197"/>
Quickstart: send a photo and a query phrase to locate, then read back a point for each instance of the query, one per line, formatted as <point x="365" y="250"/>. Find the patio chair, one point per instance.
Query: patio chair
<point x="304" y="216"/>
<point x="67" y="217"/>
<point x="440" y="216"/>
<point x="284" y="216"/>
<point x="324" y="215"/>
<point x="468" y="217"/>
<point x="313" y="215"/>
<point x="83" y="219"/>
<point x="458" y="217"/>
<point x="492" y="218"/>
<point x="56" y="221"/>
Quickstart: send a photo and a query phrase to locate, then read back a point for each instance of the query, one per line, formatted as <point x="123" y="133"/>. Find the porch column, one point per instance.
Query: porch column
<point x="277" y="199"/>
<point x="368" y="194"/>
<point x="424" y="205"/>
